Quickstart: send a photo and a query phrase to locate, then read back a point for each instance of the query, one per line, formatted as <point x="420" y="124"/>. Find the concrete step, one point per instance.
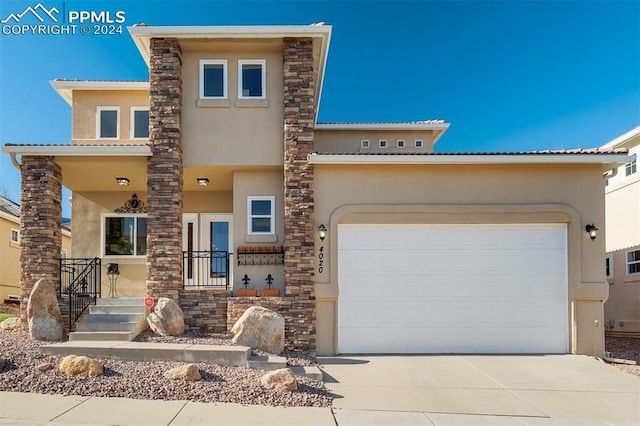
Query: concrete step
<point x="102" y="336"/>
<point x="111" y="318"/>
<point x="311" y="372"/>
<point x="108" y="326"/>
<point x="117" y="309"/>
<point x="267" y="362"/>
<point x="235" y="356"/>
<point x="116" y="301"/>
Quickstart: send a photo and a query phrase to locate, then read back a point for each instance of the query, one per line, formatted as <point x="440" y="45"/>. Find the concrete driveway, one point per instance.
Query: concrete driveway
<point x="425" y="390"/>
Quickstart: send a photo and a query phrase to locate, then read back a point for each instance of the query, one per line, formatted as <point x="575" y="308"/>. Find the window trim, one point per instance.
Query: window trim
<point x="400" y="143"/>
<point x="364" y="144"/>
<point x="225" y="78"/>
<point x="64" y="253"/>
<point x="17" y="232"/>
<point x="99" y="110"/>
<point x="419" y="143"/>
<point x="103" y="217"/>
<point x="272" y="216"/>
<point x="263" y="64"/>
<point x="383" y="143"/>
<point x="609" y="258"/>
<point x="635" y="262"/>
<point x="631" y="168"/>
<point x="132" y="122"/>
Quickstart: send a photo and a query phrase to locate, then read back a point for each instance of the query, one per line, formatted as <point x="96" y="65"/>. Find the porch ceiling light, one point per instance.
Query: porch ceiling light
<point x="592" y="230"/>
<point x="122" y="181"/>
<point x="203" y="181"/>
<point x="322" y="232"/>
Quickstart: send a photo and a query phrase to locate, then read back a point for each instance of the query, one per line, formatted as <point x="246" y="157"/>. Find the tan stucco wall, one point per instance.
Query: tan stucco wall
<point x="85" y="103"/>
<point x="226" y="131"/>
<point x="623" y="214"/>
<point x="622" y="309"/>
<point x="245" y="184"/>
<point x="571" y="194"/>
<point x="326" y="141"/>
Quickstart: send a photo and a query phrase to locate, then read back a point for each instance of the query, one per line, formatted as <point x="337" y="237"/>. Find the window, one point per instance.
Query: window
<point x="419" y="143"/>
<point x="630" y="168"/>
<point x="15" y="236"/>
<point x="139" y="123"/>
<point x="107" y="124"/>
<point x="364" y="144"/>
<point x="382" y="143"/>
<point x="252" y="79"/>
<point x="608" y="266"/>
<point x="213" y="79"/>
<point x="261" y="216"/>
<point x="63" y="253"/>
<point x="400" y="143"/>
<point x="633" y="262"/>
<point x="125" y="235"/>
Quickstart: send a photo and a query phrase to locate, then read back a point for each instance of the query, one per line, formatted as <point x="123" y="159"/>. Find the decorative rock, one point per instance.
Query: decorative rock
<point x="11" y="323"/>
<point x="260" y="328"/>
<point x="280" y="380"/>
<point x="44" y="367"/>
<point x="167" y="318"/>
<point x="187" y="373"/>
<point x="82" y="365"/>
<point x="43" y="313"/>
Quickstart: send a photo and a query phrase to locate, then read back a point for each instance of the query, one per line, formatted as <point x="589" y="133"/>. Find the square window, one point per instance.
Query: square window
<point x="261" y="215"/>
<point x="633" y="262"/>
<point x="382" y="143"/>
<point x="608" y="266"/>
<point x="252" y="79"/>
<point x="107" y="123"/>
<point x="419" y="143"/>
<point x="139" y="123"/>
<point x="364" y="144"/>
<point x="213" y="79"/>
<point x="125" y="235"/>
<point x="400" y="143"/>
<point x="15" y="236"/>
<point x="630" y="168"/>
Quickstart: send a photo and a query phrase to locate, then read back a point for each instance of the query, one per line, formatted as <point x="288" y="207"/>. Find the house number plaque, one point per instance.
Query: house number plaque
<point x="321" y="260"/>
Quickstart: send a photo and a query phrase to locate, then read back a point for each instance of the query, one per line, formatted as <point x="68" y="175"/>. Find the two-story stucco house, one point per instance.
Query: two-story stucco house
<point x="622" y="201"/>
<point x="377" y="243"/>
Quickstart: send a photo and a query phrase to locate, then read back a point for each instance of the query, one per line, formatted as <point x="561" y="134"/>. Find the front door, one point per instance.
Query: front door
<point x="206" y="251"/>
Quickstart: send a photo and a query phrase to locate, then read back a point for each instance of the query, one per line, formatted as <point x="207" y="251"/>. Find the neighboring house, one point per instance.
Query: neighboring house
<point x="217" y="169"/>
<point x="10" y="249"/>
<point x="622" y="201"/>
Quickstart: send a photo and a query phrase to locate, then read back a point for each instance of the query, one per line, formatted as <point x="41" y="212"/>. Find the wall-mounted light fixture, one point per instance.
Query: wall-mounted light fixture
<point x="203" y="181"/>
<point x="322" y="232"/>
<point x="592" y="230"/>
<point x="122" y="181"/>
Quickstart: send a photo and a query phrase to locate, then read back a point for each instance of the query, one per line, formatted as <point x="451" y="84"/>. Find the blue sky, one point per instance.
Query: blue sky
<point x="507" y="75"/>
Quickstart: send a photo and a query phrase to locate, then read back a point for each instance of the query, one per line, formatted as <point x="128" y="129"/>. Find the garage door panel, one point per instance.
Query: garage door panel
<point x="465" y="286"/>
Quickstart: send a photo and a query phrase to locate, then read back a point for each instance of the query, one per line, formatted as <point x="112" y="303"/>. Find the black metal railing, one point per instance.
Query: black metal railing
<point x="206" y="269"/>
<point x="80" y="284"/>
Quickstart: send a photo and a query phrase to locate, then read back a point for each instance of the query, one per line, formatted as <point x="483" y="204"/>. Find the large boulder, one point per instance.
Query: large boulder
<point x="280" y="380"/>
<point x="167" y="318"/>
<point x="11" y="323"/>
<point x="81" y="365"/>
<point x="43" y="313"/>
<point x="260" y="328"/>
<point x="186" y="373"/>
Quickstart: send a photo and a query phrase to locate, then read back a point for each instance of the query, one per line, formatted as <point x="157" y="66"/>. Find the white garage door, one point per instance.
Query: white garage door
<point x="452" y="288"/>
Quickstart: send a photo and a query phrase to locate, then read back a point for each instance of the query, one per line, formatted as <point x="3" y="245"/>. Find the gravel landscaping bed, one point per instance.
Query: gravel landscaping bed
<point x="625" y="348"/>
<point x="144" y="380"/>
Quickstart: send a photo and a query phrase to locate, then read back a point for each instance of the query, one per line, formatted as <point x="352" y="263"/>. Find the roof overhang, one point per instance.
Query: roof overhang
<point x="623" y="139"/>
<point x="438" y="127"/>
<point x="65" y="88"/>
<point x="78" y="150"/>
<point x="10" y="217"/>
<point x="606" y="160"/>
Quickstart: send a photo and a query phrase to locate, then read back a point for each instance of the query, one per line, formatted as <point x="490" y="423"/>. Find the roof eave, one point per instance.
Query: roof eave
<point x="622" y="139"/>
<point x="440" y="127"/>
<point x="65" y="88"/>
<point x="78" y="150"/>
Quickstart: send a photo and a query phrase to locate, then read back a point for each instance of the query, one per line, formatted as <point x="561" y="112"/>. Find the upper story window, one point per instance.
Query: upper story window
<point x="419" y="143"/>
<point x="252" y="82"/>
<point x="213" y="79"/>
<point x="107" y="122"/>
<point x="124" y="235"/>
<point x="139" y="122"/>
<point x="400" y="143"/>
<point x="364" y="144"/>
<point x="261" y="215"/>
<point x="382" y="143"/>
<point x="633" y="262"/>
<point x="608" y="266"/>
<point x="630" y="168"/>
<point x="15" y="236"/>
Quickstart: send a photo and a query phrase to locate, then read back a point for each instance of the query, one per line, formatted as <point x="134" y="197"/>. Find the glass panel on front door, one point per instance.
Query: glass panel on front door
<point x="219" y="233"/>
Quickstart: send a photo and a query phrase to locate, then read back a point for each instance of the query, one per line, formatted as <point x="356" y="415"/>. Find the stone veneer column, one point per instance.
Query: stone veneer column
<point x="164" y="170"/>
<point x="40" y="225"/>
<point x="299" y="240"/>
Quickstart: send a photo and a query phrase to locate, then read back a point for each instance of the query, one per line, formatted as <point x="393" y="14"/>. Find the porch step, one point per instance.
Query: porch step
<point x="112" y="319"/>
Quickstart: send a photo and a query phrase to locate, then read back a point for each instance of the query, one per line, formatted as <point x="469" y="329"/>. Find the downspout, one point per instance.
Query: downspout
<point x="610" y="173"/>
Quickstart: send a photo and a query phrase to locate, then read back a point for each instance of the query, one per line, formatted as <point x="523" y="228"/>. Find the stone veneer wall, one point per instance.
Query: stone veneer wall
<point x="164" y="171"/>
<point x="299" y="227"/>
<point x="205" y="309"/>
<point x="40" y="229"/>
<point x="237" y="305"/>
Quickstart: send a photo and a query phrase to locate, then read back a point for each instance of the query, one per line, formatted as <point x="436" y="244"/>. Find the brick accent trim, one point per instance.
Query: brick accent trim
<point x="40" y="224"/>
<point x="164" y="170"/>
<point x="299" y="257"/>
